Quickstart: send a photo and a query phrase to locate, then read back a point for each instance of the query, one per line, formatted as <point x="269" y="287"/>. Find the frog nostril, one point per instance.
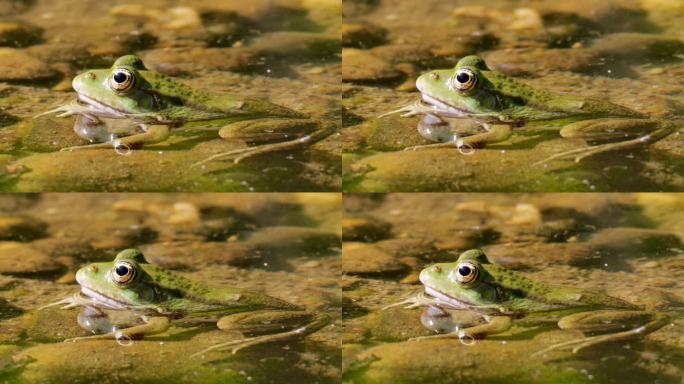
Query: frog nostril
<point x="434" y="76"/>
<point x="91" y="76"/>
<point x="93" y="269"/>
<point x="437" y="269"/>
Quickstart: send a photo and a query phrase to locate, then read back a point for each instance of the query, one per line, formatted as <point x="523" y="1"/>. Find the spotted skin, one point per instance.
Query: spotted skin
<point x="473" y="283"/>
<point x="500" y="103"/>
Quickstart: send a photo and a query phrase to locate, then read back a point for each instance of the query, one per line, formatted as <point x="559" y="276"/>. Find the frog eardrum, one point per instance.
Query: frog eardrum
<point x="121" y="80"/>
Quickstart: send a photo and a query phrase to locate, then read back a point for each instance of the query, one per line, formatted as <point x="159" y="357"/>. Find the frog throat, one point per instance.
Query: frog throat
<point x="443" y="108"/>
<point x="448" y="301"/>
<point x="103" y="301"/>
<point x="102" y="110"/>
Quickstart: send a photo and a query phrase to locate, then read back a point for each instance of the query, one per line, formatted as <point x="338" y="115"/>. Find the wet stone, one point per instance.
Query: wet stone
<point x="396" y="324"/>
<point x="294" y="241"/>
<point x="21" y="228"/>
<point x="636" y="242"/>
<point x="409" y="362"/>
<point x="72" y="247"/>
<point x="350" y="309"/>
<point x="184" y="61"/>
<point x="362" y="35"/>
<point x="363" y="67"/>
<point x="8" y="310"/>
<point x="19" y="35"/>
<point x="364" y="229"/>
<point x="21" y="259"/>
<point x="525" y="255"/>
<point x="365" y="259"/>
<point x="178" y="255"/>
<point x="16" y="66"/>
<point x="295" y="45"/>
<point x="48" y="134"/>
<point x="391" y="133"/>
<point x="638" y="46"/>
<point x="407" y="248"/>
<point x="51" y="325"/>
<point x="517" y="62"/>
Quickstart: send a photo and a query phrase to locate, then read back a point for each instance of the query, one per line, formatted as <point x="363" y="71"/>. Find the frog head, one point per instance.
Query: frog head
<point x="129" y="90"/>
<point x="466" y="283"/>
<point x="120" y="284"/>
<point x="470" y="89"/>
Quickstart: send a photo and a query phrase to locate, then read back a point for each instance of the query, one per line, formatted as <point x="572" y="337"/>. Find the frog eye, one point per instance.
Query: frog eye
<point x="465" y="273"/>
<point x="123" y="272"/>
<point x="121" y="80"/>
<point x="463" y="80"/>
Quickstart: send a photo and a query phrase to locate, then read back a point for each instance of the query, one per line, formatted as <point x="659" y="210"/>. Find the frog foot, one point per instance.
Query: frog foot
<point x="579" y="344"/>
<point x="73" y="301"/>
<point x="418" y="300"/>
<point x="638" y="142"/>
<point x="582" y="153"/>
<point x="238" y="155"/>
<point x="415" y="108"/>
<point x="236" y="345"/>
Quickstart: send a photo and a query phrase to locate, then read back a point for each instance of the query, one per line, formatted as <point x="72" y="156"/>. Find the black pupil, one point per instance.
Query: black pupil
<point x="462" y="77"/>
<point x="464" y="270"/>
<point x="120" y="77"/>
<point x="121" y="270"/>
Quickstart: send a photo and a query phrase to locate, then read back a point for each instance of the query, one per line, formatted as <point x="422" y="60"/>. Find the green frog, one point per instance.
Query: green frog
<point x="499" y="295"/>
<point x="154" y="103"/>
<point x="498" y="103"/>
<point x="156" y="296"/>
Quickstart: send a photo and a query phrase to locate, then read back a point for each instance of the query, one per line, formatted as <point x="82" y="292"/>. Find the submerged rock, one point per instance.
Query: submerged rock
<point x="363" y="67"/>
<point x="19" y="34"/>
<point x="48" y="134"/>
<point x="22" y="259"/>
<point x="19" y="228"/>
<point x="450" y="361"/>
<point x="362" y="35"/>
<point x="367" y="259"/>
<point x="16" y="66"/>
<point x="364" y="229"/>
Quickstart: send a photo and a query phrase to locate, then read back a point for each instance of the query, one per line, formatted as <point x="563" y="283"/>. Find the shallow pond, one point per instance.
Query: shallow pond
<point x="628" y="246"/>
<point x="287" y="52"/>
<point x="627" y="52"/>
<point x="286" y="246"/>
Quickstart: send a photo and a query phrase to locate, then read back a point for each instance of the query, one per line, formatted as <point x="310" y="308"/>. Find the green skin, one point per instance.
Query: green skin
<point x="157" y="296"/>
<point x="498" y="103"/>
<point x="156" y="102"/>
<point x="499" y="295"/>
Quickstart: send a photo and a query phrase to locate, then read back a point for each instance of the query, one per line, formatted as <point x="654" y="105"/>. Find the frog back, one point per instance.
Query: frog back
<point x="182" y="297"/>
<point x="521" y="295"/>
<point x="520" y="101"/>
<point x="180" y="102"/>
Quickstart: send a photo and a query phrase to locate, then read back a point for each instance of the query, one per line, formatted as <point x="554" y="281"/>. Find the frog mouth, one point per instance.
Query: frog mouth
<point x="446" y="300"/>
<point x="441" y="108"/>
<point x="102" y="301"/>
<point x="101" y="110"/>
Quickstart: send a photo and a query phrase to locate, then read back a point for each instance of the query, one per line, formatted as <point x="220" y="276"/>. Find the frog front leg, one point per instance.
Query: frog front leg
<point x="631" y="133"/>
<point x="615" y="325"/>
<point x="270" y="135"/>
<point x="434" y="128"/>
<point x="268" y="325"/>
<point x="440" y="321"/>
<point x="152" y="325"/>
<point x="150" y="134"/>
